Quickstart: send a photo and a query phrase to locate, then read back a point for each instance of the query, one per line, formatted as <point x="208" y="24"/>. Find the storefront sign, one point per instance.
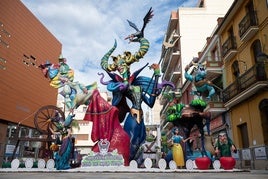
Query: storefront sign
<point x="10" y="149"/>
<point x="246" y="155"/>
<point x="260" y="153"/>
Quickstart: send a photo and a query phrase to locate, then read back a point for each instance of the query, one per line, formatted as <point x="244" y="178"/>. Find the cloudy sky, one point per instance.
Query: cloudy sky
<point x="87" y="29"/>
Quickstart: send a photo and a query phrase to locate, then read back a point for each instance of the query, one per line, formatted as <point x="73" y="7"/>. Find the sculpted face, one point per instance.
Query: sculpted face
<point x="201" y="70"/>
<point x="222" y="138"/>
<point x="122" y="67"/>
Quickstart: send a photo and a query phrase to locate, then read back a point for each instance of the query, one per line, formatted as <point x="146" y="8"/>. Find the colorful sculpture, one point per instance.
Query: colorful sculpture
<point x="62" y="76"/>
<point x="186" y="116"/>
<point x="63" y="154"/>
<point x="199" y="79"/>
<point x="106" y="126"/>
<point x="224" y="146"/>
<point x="136" y="88"/>
<point x="177" y="151"/>
<point x="75" y="94"/>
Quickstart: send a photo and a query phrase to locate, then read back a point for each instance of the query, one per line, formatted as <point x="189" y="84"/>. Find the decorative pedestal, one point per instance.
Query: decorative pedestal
<point x="202" y="163"/>
<point x="227" y="163"/>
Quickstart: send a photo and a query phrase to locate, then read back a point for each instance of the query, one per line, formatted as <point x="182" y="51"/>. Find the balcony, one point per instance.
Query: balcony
<point x="167" y="51"/>
<point x="229" y="48"/>
<point x="215" y="108"/>
<point x="171" y="66"/>
<point x="175" y="77"/>
<point x="173" y="20"/>
<point x="253" y="80"/>
<point x="214" y="69"/>
<point x="165" y="60"/>
<point x="248" y="26"/>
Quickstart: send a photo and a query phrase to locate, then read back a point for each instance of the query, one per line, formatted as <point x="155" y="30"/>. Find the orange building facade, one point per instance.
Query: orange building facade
<point x="24" y="44"/>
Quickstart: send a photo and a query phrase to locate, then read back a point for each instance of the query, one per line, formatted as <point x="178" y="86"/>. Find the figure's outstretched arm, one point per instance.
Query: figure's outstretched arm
<point x="104" y="61"/>
<point x="188" y="76"/>
<point x="149" y="99"/>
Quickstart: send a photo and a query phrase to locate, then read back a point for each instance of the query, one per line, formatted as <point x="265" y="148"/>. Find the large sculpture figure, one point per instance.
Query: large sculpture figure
<point x="63" y="154"/>
<point x="75" y="94"/>
<point x="136" y="88"/>
<point x="188" y="116"/>
<point x="224" y="146"/>
<point x="199" y="79"/>
<point x="106" y="126"/>
<point x="62" y="76"/>
<point x="177" y="151"/>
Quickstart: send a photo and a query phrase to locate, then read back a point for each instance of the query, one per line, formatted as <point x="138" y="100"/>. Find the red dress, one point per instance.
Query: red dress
<point x="106" y="125"/>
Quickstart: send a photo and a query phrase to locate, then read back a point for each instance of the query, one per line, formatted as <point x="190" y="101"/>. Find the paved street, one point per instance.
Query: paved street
<point x="125" y="175"/>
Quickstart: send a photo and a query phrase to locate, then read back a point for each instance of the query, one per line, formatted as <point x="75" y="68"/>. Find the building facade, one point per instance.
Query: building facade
<point x="243" y="34"/>
<point x="188" y="35"/>
<point x="236" y="61"/>
<point x="24" y="44"/>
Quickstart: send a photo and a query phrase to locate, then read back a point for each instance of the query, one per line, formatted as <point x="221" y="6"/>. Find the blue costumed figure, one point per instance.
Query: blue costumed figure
<point x="62" y="156"/>
<point x="199" y="79"/>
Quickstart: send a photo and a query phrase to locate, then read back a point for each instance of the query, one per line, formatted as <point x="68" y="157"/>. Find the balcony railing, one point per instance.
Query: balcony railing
<point x="257" y="73"/>
<point x="248" y="21"/>
<point x="228" y="45"/>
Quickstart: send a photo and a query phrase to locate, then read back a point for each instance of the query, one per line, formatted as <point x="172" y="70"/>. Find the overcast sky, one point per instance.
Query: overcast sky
<point x="87" y="30"/>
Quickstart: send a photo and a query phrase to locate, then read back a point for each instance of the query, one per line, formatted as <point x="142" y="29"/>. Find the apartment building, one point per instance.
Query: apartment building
<point x="236" y="61"/>
<point x="243" y="33"/>
<point x="187" y="29"/>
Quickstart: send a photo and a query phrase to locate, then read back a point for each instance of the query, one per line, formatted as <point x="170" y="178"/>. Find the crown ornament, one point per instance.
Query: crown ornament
<point x="103" y="146"/>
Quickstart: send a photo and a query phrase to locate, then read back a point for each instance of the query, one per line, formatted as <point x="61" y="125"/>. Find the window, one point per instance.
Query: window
<point x="215" y="54"/>
<point x="256" y="49"/>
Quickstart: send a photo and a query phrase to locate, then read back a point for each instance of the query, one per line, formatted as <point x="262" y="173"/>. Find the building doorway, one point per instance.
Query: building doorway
<point x="263" y="107"/>
<point x="243" y="131"/>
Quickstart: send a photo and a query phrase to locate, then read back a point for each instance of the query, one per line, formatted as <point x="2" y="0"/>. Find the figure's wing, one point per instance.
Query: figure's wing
<point x="133" y="25"/>
<point x="134" y="37"/>
<point x="147" y="18"/>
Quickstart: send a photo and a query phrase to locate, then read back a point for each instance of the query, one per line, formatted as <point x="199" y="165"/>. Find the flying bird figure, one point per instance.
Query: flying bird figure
<point x="140" y="33"/>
